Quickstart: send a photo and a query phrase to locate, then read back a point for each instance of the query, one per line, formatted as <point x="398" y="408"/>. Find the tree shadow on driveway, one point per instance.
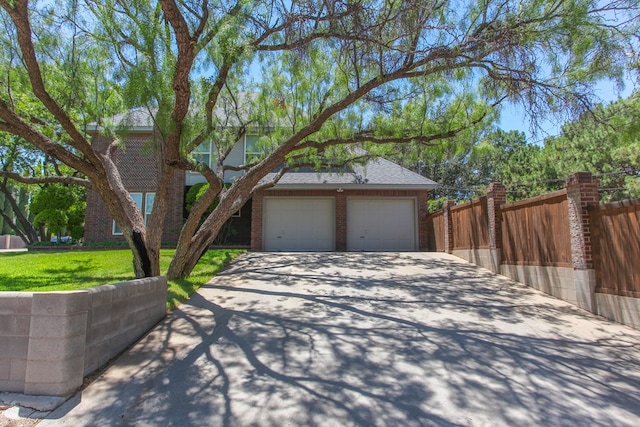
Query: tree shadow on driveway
<point x="375" y="339"/>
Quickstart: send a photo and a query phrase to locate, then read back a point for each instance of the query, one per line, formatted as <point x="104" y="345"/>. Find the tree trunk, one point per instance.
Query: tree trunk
<point x="189" y="253"/>
<point x="194" y="241"/>
<point x="3" y="225"/>
<point x="146" y="261"/>
<point x="30" y="234"/>
<point x="6" y="220"/>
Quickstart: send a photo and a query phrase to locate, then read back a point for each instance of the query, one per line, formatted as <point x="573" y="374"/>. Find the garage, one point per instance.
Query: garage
<point x="378" y="224"/>
<point x="299" y="224"/>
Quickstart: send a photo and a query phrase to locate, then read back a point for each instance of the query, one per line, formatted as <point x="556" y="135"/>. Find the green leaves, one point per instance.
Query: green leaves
<point x="53" y="197"/>
<point x="59" y="208"/>
<point x="606" y="143"/>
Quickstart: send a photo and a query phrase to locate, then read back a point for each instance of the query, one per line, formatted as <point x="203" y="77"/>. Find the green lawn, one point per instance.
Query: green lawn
<point x="69" y="270"/>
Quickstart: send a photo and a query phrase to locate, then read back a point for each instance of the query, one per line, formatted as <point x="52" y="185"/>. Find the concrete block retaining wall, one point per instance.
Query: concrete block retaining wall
<point x="625" y="310"/>
<point x="485" y="258"/>
<point x="119" y="314"/>
<point x="556" y="281"/>
<point x="572" y="285"/>
<point x="50" y="340"/>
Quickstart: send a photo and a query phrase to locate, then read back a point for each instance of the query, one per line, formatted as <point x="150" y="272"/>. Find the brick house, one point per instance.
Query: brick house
<point x="375" y="207"/>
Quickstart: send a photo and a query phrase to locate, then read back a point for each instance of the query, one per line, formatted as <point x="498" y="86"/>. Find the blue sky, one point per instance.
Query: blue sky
<point x="513" y="117"/>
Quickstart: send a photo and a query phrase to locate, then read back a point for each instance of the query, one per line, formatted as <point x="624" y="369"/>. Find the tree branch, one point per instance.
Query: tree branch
<point x="15" y="125"/>
<point x="71" y="180"/>
<point x="186" y="54"/>
<point x="19" y="14"/>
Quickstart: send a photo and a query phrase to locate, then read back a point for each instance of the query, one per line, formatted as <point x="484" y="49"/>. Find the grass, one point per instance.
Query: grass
<point x="64" y="271"/>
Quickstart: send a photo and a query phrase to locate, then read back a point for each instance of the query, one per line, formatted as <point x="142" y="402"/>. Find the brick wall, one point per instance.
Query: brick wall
<point x="257" y="204"/>
<point x="137" y="167"/>
<point x="340" y="199"/>
<point x="341" y="222"/>
<point x="582" y="193"/>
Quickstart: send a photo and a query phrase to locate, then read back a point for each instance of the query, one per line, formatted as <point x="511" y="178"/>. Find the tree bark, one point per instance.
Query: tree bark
<point x="29" y="234"/>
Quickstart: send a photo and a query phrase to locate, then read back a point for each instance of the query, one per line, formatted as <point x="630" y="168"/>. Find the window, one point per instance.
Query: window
<point x="202" y="153"/>
<point x="148" y="206"/>
<point x="148" y="198"/>
<point x="251" y="148"/>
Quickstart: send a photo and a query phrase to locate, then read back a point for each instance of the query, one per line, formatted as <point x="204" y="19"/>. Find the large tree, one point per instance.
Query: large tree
<point x="605" y="142"/>
<point x="312" y="75"/>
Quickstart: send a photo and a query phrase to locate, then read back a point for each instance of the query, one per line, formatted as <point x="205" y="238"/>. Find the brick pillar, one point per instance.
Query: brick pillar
<point x="423" y="236"/>
<point x="582" y="193"/>
<point x="256" y="221"/>
<point x="341" y="222"/>
<point x="496" y="196"/>
<point x="448" y="226"/>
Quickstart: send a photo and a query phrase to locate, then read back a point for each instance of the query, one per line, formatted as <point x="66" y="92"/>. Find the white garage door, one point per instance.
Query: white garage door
<point x="381" y="225"/>
<point x="298" y="224"/>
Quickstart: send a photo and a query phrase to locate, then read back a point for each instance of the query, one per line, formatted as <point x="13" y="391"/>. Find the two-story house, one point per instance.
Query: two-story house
<point x="375" y="207"/>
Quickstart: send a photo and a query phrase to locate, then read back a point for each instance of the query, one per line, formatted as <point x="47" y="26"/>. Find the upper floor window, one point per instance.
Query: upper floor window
<point x="251" y="148"/>
<point x="245" y="150"/>
<point x="202" y="153"/>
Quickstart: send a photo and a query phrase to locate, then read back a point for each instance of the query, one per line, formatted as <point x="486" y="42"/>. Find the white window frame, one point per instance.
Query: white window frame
<point x="115" y="230"/>
<point x="148" y="206"/>
<point x="199" y="151"/>
<point x="248" y="153"/>
<point x="196" y="153"/>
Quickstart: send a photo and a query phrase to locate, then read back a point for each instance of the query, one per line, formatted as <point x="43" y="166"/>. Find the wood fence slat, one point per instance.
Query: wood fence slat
<point x="616" y="247"/>
<point x="537" y="232"/>
<point x="471" y="225"/>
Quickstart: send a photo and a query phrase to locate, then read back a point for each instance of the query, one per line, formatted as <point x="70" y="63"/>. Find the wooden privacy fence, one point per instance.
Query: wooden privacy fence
<point x="435" y="232"/>
<point x="536" y="231"/>
<point x="472" y="225"/>
<point x="616" y="247"/>
<point x="563" y="243"/>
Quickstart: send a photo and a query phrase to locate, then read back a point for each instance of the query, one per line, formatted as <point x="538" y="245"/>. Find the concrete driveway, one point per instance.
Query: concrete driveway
<point x="410" y="339"/>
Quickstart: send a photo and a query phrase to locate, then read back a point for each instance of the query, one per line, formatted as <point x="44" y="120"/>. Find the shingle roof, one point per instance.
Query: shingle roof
<point x="376" y="173"/>
<point x="141" y="119"/>
<point x="134" y="120"/>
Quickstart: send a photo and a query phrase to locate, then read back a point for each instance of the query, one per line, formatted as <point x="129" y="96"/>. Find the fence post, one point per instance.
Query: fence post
<point x="448" y="226"/>
<point x="582" y="193"/>
<point x="496" y="196"/>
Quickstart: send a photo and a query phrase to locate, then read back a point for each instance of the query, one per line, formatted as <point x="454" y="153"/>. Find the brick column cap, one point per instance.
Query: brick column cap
<point x="580" y="178"/>
<point x="496" y="187"/>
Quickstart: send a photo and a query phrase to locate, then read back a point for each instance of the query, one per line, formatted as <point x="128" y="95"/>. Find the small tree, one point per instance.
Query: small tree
<point x="58" y="208"/>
